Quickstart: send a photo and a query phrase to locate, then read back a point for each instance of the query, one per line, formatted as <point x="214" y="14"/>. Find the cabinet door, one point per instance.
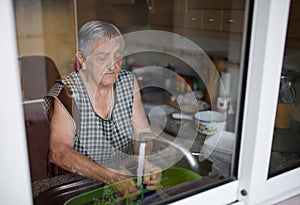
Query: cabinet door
<point x="212" y="20"/>
<point x="194" y="19"/>
<point x="161" y="12"/>
<point x="232" y="20"/>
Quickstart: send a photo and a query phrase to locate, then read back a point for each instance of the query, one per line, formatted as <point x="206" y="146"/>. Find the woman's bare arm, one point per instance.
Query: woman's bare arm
<point x="139" y="119"/>
<point x="64" y="155"/>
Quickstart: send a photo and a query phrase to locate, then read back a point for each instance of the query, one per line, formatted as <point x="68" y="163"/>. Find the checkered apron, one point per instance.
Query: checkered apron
<point x="103" y="141"/>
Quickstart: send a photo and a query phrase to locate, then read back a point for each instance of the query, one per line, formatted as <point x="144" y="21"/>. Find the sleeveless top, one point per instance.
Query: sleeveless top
<point x="103" y="141"/>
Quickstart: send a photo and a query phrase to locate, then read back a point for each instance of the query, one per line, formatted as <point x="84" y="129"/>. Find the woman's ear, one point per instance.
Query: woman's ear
<point x="81" y="59"/>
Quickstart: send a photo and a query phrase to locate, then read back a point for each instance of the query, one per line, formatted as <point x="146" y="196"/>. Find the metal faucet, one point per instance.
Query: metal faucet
<point x="191" y="160"/>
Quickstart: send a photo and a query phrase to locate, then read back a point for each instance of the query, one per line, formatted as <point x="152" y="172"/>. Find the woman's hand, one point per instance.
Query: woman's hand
<point x="152" y="175"/>
<point x="123" y="183"/>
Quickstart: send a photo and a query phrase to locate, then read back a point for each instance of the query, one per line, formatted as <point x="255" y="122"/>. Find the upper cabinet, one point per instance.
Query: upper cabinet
<point x="167" y="13"/>
<point x="127" y="15"/>
<point x="221" y="19"/>
<point x="208" y="18"/>
<point x="233" y="20"/>
<point x="216" y="20"/>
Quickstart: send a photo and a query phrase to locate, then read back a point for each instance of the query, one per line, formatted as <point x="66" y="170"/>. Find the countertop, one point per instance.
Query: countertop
<point x="46" y="184"/>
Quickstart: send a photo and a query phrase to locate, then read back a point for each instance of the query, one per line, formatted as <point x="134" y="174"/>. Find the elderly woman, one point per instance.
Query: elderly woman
<point x="94" y="133"/>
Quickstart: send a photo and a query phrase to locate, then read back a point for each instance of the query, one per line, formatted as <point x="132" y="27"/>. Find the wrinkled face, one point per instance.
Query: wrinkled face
<point x="106" y="60"/>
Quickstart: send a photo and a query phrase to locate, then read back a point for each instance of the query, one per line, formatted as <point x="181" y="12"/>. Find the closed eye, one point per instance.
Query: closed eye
<point x="118" y="55"/>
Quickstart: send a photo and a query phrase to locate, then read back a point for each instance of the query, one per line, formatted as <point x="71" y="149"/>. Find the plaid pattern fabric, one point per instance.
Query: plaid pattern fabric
<point x="104" y="141"/>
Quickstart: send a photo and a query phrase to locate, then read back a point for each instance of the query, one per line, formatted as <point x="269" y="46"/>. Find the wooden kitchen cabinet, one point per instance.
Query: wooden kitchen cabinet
<point x="124" y="14"/>
<point x="208" y="18"/>
<point x="233" y="20"/>
<point x="161" y="12"/>
<point x="194" y="19"/>
<point x="216" y="15"/>
<point x="216" y="20"/>
<point x="166" y="13"/>
<point x="212" y="20"/>
<point x="215" y="4"/>
<point x="221" y="19"/>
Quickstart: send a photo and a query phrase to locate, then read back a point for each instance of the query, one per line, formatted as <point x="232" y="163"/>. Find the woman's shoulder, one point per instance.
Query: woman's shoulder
<point x="125" y="77"/>
<point x="70" y="78"/>
<point x="126" y="74"/>
<point x="61" y="83"/>
<point x="55" y="89"/>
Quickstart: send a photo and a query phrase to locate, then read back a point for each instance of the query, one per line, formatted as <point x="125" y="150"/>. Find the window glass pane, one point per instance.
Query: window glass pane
<point x="46" y="50"/>
<point x="187" y="59"/>
<point x="286" y="140"/>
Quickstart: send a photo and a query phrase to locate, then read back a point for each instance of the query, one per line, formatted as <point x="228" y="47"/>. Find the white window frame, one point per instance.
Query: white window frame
<point x="264" y="69"/>
<point x="15" y="184"/>
<point x="265" y="66"/>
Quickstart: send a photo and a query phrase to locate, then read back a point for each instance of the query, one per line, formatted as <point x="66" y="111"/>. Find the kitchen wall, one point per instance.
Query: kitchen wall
<point x="46" y="27"/>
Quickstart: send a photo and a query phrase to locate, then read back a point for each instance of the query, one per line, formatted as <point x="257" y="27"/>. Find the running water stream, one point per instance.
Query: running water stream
<point x="143" y="137"/>
<point x="141" y="164"/>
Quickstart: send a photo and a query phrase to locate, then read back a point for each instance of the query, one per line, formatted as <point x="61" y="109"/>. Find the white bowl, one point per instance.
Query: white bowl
<point x="209" y="122"/>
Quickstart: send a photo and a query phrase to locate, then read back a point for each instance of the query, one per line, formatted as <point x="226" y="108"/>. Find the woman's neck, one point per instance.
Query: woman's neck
<point x="92" y="86"/>
<point x="101" y="96"/>
<point x="104" y="101"/>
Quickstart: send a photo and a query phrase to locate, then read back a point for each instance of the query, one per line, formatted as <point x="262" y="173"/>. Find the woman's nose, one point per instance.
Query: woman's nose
<point x="110" y="68"/>
<point x="110" y="64"/>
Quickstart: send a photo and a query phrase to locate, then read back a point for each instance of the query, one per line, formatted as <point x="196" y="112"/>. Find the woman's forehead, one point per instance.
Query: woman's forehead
<point x="105" y="44"/>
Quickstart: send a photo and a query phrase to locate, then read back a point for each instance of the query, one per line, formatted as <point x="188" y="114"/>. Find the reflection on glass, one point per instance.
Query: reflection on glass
<point x="286" y="140"/>
<point x="188" y="69"/>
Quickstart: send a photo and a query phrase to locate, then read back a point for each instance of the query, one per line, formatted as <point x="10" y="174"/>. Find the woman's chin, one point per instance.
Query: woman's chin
<point x="108" y="80"/>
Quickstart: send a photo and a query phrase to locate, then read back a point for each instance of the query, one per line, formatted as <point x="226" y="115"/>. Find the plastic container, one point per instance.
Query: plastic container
<point x="108" y="195"/>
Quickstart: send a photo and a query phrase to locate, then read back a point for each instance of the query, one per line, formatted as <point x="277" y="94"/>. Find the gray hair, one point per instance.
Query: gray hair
<point x="93" y="31"/>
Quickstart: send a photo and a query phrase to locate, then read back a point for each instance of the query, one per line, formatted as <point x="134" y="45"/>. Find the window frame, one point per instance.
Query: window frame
<point x="263" y="81"/>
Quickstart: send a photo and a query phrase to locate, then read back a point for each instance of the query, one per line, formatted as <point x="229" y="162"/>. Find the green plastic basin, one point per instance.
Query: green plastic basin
<point x="108" y="195"/>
